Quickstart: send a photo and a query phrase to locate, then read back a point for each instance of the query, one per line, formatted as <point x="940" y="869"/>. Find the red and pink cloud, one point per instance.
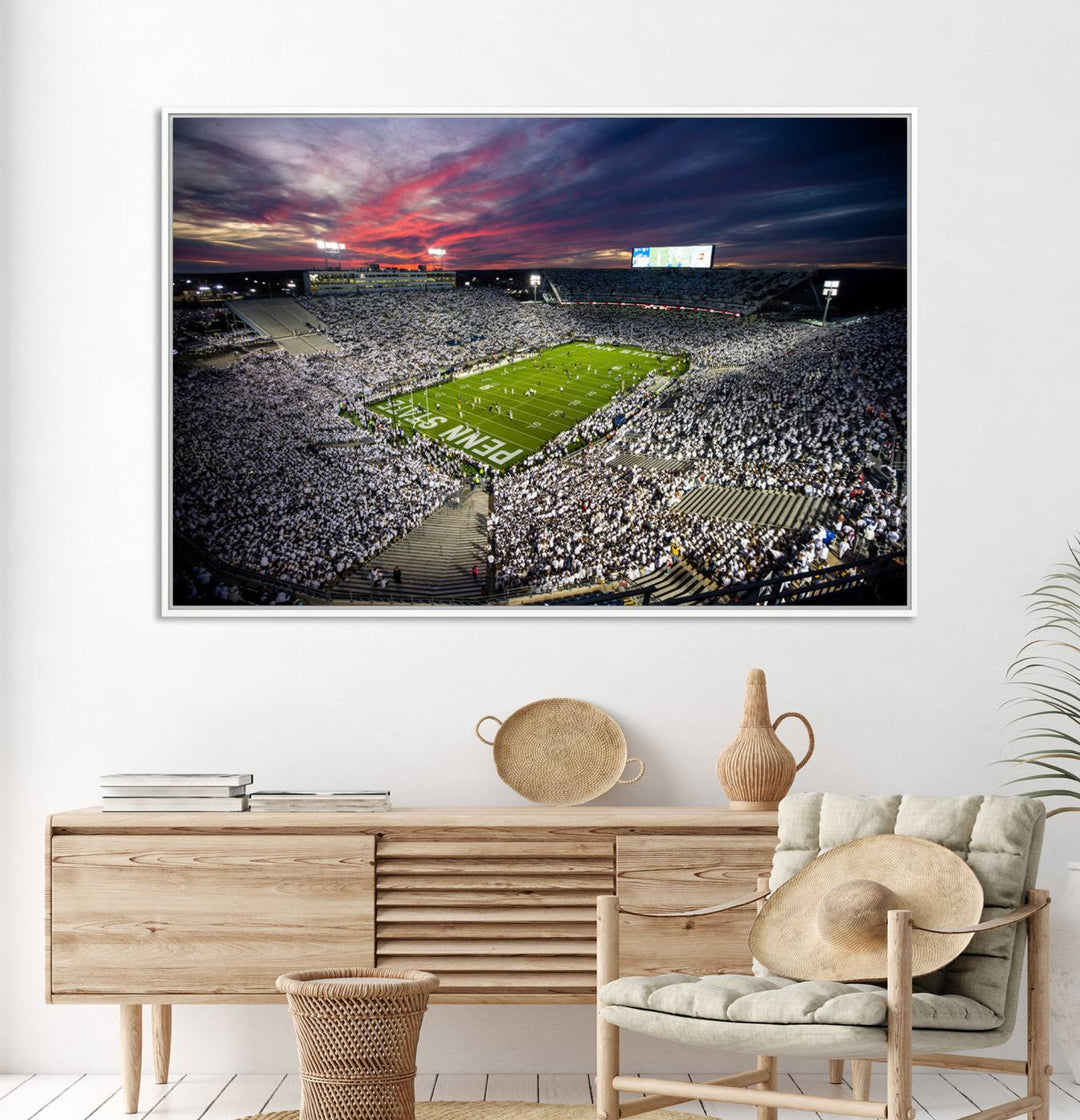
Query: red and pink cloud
<point x="495" y="192"/>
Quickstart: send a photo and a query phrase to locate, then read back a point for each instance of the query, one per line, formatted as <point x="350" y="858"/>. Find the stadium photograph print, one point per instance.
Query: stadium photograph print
<point x="575" y="363"/>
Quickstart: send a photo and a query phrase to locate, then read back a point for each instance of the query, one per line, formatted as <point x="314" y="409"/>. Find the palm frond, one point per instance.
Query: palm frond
<point x="1024" y="755"/>
<point x="1070" y="706"/>
<point x="1040" y="712"/>
<point x="1046" y="663"/>
<point x="1051" y="732"/>
<point x="1060" y="771"/>
<point x="1042" y="778"/>
<point x="1052" y="793"/>
<point x="1056" y="622"/>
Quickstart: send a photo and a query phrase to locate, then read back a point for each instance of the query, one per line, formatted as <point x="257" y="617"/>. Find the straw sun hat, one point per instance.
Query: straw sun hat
<point x="828" y="922"/>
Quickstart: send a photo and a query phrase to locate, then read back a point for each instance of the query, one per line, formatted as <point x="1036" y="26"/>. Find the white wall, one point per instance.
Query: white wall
<point x="98" y="682"/>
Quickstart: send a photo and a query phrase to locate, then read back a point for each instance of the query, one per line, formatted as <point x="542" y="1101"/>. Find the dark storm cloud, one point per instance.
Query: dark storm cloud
<point x="498" y="192"/>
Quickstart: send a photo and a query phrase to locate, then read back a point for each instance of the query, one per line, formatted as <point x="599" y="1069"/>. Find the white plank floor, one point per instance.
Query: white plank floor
<point x="202" y="1096"/>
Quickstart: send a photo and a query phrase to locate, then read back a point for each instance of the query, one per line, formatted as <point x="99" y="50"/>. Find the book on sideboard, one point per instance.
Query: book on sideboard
<point x="319" y="801"/>
<point x="174" y="804"/>
<point x="173" y="791"/>
<point x="159" y="780"/>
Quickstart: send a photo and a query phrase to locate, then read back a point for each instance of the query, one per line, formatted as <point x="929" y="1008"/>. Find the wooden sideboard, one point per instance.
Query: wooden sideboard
<point x="500" y="903"/>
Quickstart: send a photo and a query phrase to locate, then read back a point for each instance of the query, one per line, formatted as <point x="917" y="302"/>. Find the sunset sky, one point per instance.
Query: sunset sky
<point x="498" y="192"/>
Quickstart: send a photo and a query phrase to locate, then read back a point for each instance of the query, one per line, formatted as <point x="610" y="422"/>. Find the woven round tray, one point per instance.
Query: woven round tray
<point x="560" y="752"/>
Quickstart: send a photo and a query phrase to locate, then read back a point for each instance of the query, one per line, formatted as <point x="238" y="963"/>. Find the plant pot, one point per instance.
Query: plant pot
<point x="1065" y="970"/>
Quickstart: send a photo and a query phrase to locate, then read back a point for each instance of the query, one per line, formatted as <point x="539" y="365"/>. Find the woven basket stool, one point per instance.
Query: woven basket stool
<point x="356" y="1032"/>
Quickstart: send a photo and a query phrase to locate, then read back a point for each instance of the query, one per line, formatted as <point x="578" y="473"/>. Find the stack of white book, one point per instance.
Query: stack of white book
<point x="317" y="801"/>
<point x="174" y="793"/>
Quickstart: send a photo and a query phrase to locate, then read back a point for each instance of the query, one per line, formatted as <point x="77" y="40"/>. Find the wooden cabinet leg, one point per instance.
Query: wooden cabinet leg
<point x="860" y="1078"/>
<point x="131" y="1053"/>
<point x="161" y="1019"/>
<point x="836" y="1071"/>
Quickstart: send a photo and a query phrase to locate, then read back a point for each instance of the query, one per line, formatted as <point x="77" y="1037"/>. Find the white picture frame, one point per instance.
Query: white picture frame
<point x="728" y="611"/>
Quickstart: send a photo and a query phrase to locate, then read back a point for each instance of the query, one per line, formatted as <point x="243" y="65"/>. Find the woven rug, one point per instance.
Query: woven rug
<point x="476" y="1110"/>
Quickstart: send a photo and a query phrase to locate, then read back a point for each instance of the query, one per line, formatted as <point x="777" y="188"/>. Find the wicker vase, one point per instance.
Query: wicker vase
<point x="356" y="1033"/>
<point x="756" y="769"/>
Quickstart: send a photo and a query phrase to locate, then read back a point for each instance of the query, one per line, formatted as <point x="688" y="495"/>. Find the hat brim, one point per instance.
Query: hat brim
<point x="939" y="888"/>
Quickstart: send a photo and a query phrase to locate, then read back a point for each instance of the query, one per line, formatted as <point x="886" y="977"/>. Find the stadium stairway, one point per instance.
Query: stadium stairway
<point x="779" y="508"/>
<point x="674" y="582"/>
<point x="291" y="326"/>
<point x="436" y="558"/>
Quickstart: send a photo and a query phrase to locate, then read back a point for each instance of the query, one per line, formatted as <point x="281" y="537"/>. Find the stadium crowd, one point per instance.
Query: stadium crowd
<point x="393" y="339"/>
<point x="269" y="475"/>
<point x="738" y="291"/>
<point x="582" y="520"/>
<point x="807" y="413"/>
<point x="210" y="330"/>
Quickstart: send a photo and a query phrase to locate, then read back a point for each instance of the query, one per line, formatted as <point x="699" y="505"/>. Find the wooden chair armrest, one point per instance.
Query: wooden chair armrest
<point x="732" y="905"/>
<point x="1013" y="916"/>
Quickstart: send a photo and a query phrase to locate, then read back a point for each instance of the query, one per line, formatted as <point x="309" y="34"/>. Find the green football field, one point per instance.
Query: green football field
<point x="501" y="416"/>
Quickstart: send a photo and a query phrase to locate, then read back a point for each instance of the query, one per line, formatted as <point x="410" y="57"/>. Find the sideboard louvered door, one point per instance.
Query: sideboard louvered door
<point x="494" y="918"/>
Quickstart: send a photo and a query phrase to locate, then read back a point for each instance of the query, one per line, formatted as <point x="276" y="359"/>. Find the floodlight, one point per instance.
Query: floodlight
<point x="436" y="252"/>
<point x="830" y="289"/>
<point x="534" y="280"/>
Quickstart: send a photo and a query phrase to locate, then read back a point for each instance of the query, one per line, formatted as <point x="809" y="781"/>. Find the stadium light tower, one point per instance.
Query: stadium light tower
<point x="534" y="283"/>
<point x="330" y="250"/>
<point x="438" y="254"/>
<point x="830" y="289"/>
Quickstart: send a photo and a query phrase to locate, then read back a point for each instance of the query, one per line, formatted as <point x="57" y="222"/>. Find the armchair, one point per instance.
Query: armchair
<point x="970" y="1004"/>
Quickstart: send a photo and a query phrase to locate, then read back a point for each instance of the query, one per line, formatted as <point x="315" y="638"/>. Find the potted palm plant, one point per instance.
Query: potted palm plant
<point x="1046" y="673"/>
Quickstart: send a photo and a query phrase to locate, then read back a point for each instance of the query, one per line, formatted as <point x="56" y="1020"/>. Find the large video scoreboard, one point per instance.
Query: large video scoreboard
<point x="674" y="256"/>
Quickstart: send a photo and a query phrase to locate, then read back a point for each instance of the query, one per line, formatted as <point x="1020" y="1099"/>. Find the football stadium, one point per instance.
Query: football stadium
<point x="552" y="392"/>
<point x="664" y="431"/>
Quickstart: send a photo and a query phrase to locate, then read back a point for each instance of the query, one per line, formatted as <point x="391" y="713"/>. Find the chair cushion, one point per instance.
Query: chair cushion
<point x="807" y="1041"/>
<point x="999" y="837"/>
<point x="774" y="1000"/>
